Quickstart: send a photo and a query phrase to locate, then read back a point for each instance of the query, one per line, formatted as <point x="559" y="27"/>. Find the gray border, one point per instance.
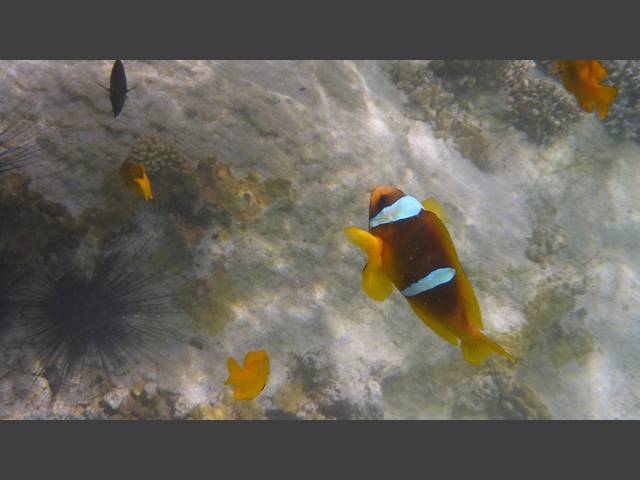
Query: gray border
<point x="319" y="30"/>
<point x="393" y="449"/>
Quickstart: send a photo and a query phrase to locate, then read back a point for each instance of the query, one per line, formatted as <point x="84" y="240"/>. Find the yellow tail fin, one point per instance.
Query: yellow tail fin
<point x="475" y="352"/>
<point x="375" y="282"/>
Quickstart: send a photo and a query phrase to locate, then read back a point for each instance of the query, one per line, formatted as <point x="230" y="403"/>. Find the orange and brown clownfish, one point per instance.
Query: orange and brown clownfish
<point x="582" y="78"/>
<point x="408" y="246"/>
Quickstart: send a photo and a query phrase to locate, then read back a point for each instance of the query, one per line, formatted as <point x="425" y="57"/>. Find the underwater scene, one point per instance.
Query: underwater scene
<point x="311" y="240"/>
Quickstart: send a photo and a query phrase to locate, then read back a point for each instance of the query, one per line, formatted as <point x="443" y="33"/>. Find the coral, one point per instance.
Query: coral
<point x="541" y="109"/>
<point x="555" y="328"/>
<point x="623" y="120"/>
<point x="244" y="198"/>
<point x="207" y="412"/>
<point x="544" y="244"/>
<point x="497" y="396"/>
<point x="276" y="414"/>
<point x="570" y="343"/>
<point x="449" y="389"/>
<point x="158" y="152"/>
<point x="312" y="392"/>
<point x="547" y="236"/>
<point x="538" y="107"/>
<point x="143" y="401"/>
<point x="439" y="107"/>
<point x="290" y="396"/>
<point x="37" y="227"/>
<point x="463" y="76"/>
<point x="174" y="252"/>
<point x="118" y="212"/>
<point x="226" y="408"/>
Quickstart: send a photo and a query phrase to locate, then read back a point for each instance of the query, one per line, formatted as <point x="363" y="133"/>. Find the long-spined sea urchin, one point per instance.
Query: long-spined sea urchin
<point x="109" y="316"/>
<point x="12" y="274"/>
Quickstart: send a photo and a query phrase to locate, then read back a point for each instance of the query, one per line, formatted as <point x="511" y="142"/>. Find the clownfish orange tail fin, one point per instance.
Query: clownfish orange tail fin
<point x="375" y="282"/>
<point x="475" y="352"/>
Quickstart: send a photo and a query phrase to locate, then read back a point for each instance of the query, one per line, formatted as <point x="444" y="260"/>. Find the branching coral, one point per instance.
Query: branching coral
<point x="623" y="120"/>
<point x="541" y="109"/>
<point x="463" y="76"/>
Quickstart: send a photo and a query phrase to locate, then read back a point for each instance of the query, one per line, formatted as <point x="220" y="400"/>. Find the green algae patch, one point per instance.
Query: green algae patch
<point x="207" y="412"/>
<point x="209" y="302"/>
<point x="173" y="253"/>
<point x="38" y="227"/>
<point x="340" y="83"/>
<point x="119" y="210"/>
<point x="551" y="324"/>
<point x="243" y="197"/>
<point x="573" y="346"/>
<point x="227" y="408"/>
<point x="290" y="396"/>
<point x="454" y="389"/>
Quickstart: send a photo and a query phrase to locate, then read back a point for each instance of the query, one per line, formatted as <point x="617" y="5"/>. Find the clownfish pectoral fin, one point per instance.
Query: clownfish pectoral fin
<point x="435" y="326"/>
<point x="604" y="97"/>
<point x="234" y="370"/>
<point x="432" y="205"/>
<point x="375" y="282"/>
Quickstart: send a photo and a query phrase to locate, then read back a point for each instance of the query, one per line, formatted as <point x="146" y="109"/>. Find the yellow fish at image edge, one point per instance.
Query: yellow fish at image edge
<point x="248" y="381"/>
<point x="582" y="78"/>
<point x="136" y="179"/>
<point x="409" y="247"/>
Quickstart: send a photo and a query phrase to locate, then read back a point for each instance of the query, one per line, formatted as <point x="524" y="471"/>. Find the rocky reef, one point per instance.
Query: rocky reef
<point x="623" y="121"/>
<point x="541" y="109"/>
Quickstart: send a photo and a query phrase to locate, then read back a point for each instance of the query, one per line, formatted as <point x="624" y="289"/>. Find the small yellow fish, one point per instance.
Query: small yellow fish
<point x="135" y="178"/>
<point x="250" y="380"/>
<point x="582" y="78"/>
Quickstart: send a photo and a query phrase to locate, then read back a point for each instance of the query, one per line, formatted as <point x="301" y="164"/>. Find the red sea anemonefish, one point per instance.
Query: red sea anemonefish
<point x="409" y="247"/>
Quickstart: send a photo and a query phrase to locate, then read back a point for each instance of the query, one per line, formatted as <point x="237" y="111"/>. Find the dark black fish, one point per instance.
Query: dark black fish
<point x="118" y="87"/>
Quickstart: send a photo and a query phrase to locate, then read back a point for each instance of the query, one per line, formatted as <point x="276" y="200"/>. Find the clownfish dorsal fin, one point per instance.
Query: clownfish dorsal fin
<point x="375" y="282"/>
<point x="432" y="205"/>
